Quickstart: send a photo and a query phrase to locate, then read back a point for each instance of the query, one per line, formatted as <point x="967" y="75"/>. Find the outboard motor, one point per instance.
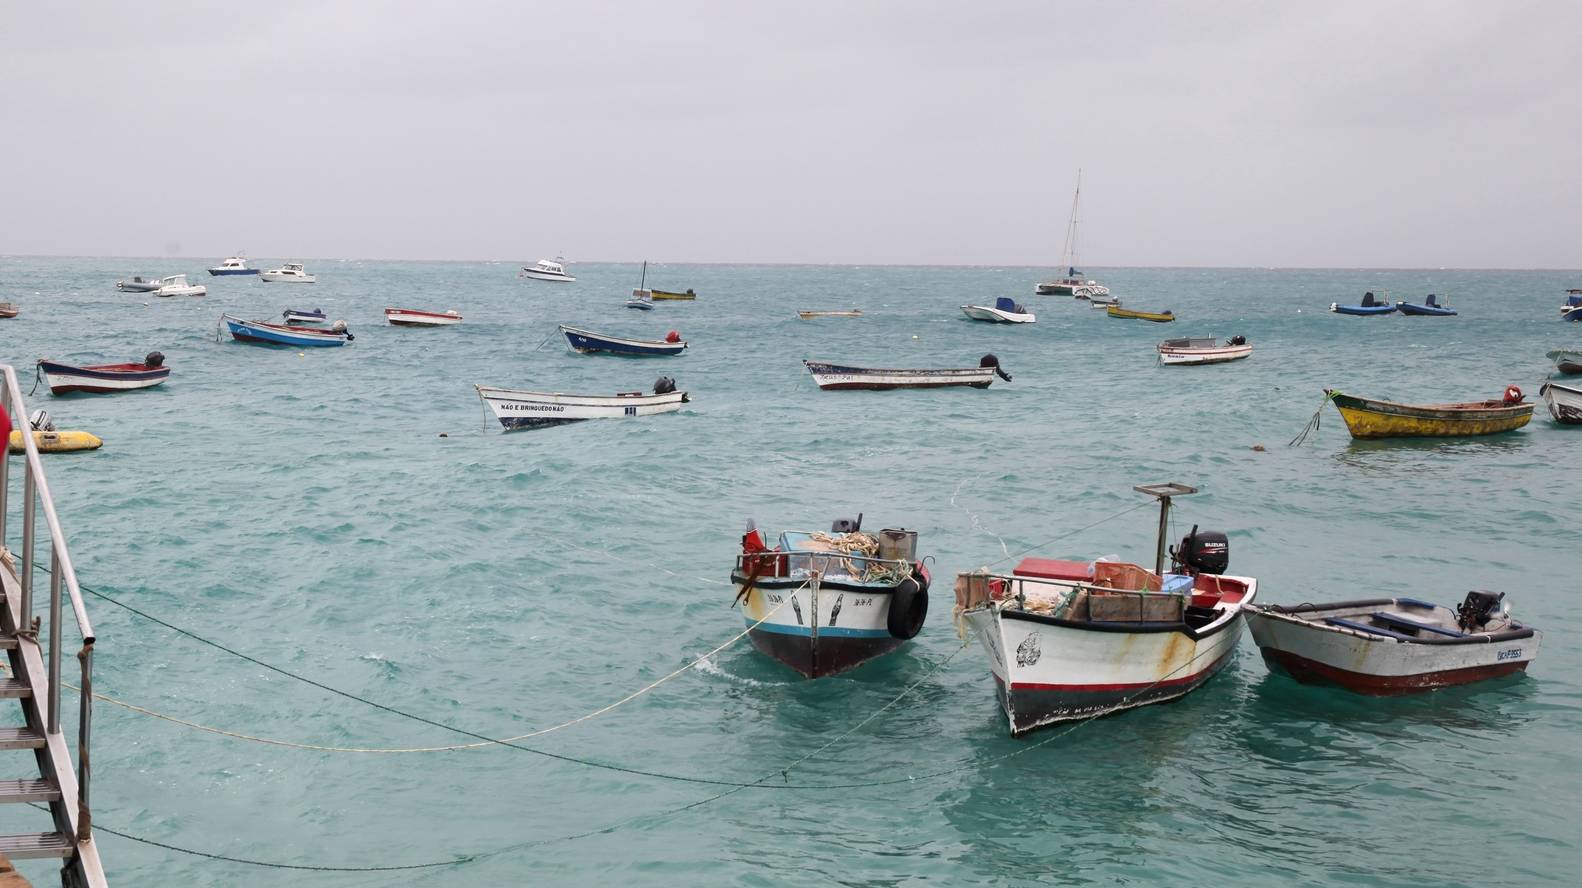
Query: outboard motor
<point x="847" y="525"/>
<point x="990" y="360"/>
<point x="1367" y="299"/>
<point x="1202" y="551"/>
<point x="664" y="385"/>
<point x="1238" y="339"/>
<point x="154" y="359"/>
<point x="40" y="421"/>
<point x="1478" y="609"/>
<point x="673" y="336"/>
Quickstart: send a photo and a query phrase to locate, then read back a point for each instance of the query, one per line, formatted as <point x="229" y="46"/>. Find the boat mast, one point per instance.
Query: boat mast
<point x="643" y="284"/>
<point x="1070" y="251"/>
<point x="1163" y="493"/>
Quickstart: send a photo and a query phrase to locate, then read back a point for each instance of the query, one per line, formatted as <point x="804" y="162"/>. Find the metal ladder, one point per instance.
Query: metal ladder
<point x="33" y="646"/>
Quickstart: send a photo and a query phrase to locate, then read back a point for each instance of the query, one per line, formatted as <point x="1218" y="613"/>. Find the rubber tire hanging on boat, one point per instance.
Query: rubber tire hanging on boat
<point x="908" y="606"/>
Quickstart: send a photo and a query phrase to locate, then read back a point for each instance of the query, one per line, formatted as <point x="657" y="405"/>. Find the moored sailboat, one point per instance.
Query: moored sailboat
<point x="1073" y="283"/>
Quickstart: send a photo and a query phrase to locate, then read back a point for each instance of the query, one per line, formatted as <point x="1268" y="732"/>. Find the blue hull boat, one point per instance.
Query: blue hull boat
<point x="1369" y="306"/>
<point x="1574" y="314"/>
<point x="588" y="341"/>
<point x="261" y="333"/>
<point x="1431" y="308"/>
<point x="227" y="272"/>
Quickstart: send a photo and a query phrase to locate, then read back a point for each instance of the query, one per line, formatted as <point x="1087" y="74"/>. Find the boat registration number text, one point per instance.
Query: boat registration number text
<point x="1511" y="654"/>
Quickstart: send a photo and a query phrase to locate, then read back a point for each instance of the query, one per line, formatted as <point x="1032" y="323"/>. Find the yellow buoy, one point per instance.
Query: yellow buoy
<point x="57" y="442"/>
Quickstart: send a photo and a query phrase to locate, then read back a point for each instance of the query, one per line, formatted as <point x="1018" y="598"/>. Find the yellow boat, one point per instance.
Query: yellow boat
<point x="56" y="442"/>
<point x="1115" y="311"/>
<point x="666" y="294"/>
<point x="1368" y="418"/>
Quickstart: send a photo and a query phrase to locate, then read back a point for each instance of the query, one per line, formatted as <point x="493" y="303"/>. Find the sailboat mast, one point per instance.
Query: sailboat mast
<point x="1076" y="205"/>
<point x="643" y="284"/>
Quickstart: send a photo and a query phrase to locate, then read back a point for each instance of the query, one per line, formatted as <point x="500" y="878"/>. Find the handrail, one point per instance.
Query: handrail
<point x="61" y="560"/>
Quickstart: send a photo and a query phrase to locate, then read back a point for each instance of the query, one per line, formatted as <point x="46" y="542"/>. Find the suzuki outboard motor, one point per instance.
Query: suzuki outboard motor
<point x="847" y="525"/>
<point x="154" y="359"/>
<point x="990" y="360"/>
<point x="1203" y="551"/>
<point x="1478" y="609"/>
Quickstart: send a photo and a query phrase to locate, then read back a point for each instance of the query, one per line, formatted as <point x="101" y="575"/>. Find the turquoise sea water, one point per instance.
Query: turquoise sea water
<point x="304" y="509"/>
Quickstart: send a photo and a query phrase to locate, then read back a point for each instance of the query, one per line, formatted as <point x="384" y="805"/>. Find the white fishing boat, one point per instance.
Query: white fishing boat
<point x="843" y="376"/>
<point x="1104" y="301"/>
<point x="412" y="317"/>
<point x="304" y="316"/>
<point x="1203" y="350"/>
<point x="176" y="285"/>
<point x="1073" y="284"/>
<point x="518" y="409"/>
<point x="1564" y="401"/>
<point x="1567" y="360"/>
<point x="1073" y="640"/>
<point x="547" y="270"/>
<point x="289" y="273"/>
<point x="139" y="284"/>
<point x="235" y="265"/>
<point x="1004" y="311"/>
<point x="1388" y="646"/>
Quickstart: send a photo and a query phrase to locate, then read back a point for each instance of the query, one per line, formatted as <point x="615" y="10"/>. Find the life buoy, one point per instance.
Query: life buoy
<point x="1513" y="395"/>
<point x="909" y="605"/>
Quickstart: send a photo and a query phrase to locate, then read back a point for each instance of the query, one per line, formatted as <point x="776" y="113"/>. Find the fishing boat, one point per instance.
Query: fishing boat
<point x="412" y="317"/>
<point x="1103" y="302"/>
<point x="1564" y="401"/>
<point x="9" y="309"/>
<point x="1158" y="317"/>
<point x="813" y="314"/>
<point x="640" y="303"/>
<point x="1077" y="639"/>
<point x="139" y="285"/>
<point x="843" y="376"/>
<point x="1203" y="350"/>
<point x="176" y="285"/>
<point x="587" y="341"/>
<point x="1389" y="646"/>
<point x="289" y="273"/>
<point x="302" y="316"/>
<point x="1431" y="306"/>
<point x="1073" y="283"/>
<point x="530" y="410"/>
<point x="547" y="270"/>
<point x="823" y="603"/>
<point x="1369" y="306"/>
<point x="1567" y="360"/>
<point x="1572" y="303"/>
<point x="64" y="379"/>
<point x="1573" y="314"/>
<point x="262" y="333"/>
<point x="664" y="295"/>
<point x="1369" y="418"/>
<point x="1005" y="310"/>
<point x="232" y="266"/>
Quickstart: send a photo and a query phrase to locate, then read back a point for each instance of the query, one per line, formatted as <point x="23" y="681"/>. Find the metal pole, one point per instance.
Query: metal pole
<point x="5" y="478"/>
<point x="29" y="496"/>
<point x="84" y="733"/>
<point x="54" y="638"/>
<point x="1164" y="528"/>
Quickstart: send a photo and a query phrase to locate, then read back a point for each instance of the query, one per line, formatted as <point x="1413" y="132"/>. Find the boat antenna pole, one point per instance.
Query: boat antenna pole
<point x="643" y="284"/>
<point x="1163" y="493"/>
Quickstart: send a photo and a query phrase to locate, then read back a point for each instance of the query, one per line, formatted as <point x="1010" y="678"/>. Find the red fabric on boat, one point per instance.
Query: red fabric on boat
<point x="1052" y="569"/>
<point x="5" y="427"/>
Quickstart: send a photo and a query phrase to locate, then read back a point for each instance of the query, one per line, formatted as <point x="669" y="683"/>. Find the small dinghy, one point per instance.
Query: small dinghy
<point x="588" y="342"/>
<point x="842" y="376"/>
<point x="1388" y="646"/>
<point x="823" y="603"/>
<point x="814" y="314"/>
<point x="1158" y="317"/>
<point x="1567" y="360"/>
<point x="1203" y="350"/>
<point x="176" y="285"/>
<point x="1370" y="418"/>
<point x="300" y="316"/>
<point x="1369" y="306"/>
<point x="64" y="379"/>
<point x="9" y="309"/>
<point x="139" y="285"/>
<point x="687" y="296"/>
<point x="518" y="409"/>
<point x="1564" y="402"/>
<point x="1004" y="311"/>
<point x="1103" y="302"/>
<point x="263" y="333"/>
<point x="48" y="439"/>
<point x="412" y="317"/>
<point x="1431" y="307"/>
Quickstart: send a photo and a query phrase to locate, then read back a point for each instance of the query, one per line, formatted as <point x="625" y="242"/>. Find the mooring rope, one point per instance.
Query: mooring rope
<point x="976" y="524"/>
<point x="1061" y="536"/>
<point x="1312" y="424"/>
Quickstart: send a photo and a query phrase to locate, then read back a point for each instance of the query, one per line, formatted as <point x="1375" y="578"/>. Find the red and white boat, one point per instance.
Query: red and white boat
<point x="1203" y="350"/>
<point x="412" y="317"/>
<point x="63" y="379"/>
<point x="1389" y="646"/>
<point x="1073" y="640"/>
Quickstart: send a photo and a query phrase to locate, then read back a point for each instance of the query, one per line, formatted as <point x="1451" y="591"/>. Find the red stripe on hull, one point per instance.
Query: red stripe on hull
<point x="1031" y="705"/>
<point x="1313" y="672"/>
<point x="910" y="385"/>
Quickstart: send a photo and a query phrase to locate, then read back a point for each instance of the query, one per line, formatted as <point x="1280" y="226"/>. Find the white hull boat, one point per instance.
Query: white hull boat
<point x="1104" y="301"/>
<point x="547" y="270"/>
<point x="290" y="273"/>
<point x="1203" y="350"/>
<point x="1389" y="646"/>
<point x="1567" y="360"/>
<point x="236" y="265"/>
<point x="176" y="285"/>
<point x="139" y="285"/>
<point x="1003" y="311"/>
<point x="1564" y="401"/>
<point x="411" y="317"/>
<point x="518" y="409"/>
<point x="1073" y="283"/>
<point x="302" y="316"/>
<point x="842" y="376"/>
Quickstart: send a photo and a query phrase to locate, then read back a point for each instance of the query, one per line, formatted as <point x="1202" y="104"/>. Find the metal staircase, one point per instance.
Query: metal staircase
<point x="33" y="646"/>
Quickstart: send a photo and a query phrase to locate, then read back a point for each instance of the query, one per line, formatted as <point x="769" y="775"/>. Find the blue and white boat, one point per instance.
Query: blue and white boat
<point x="1571" y="311"/>
<point x="262" y="333"/>
<point x="233" y="265"/>
<point x="1005" y="310"/>
<point x="587" y="341"/>
<point x="1430" y="307"/>
<point x="1369" y="306"/>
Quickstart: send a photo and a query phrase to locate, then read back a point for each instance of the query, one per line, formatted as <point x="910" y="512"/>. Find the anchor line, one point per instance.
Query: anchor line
<point x="1068" y="533"/>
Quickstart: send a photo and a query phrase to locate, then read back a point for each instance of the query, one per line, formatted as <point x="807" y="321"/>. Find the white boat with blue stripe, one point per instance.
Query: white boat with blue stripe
<point x="517" y="409"/>
<point x="1005" y="310"/>
<point x="587" y="341"/>
<point x="264" y="333"/>
<point x="233" y="265"/>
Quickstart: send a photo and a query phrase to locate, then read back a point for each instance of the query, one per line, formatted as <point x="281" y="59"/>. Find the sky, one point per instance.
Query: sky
<point x="1337" y="134"/>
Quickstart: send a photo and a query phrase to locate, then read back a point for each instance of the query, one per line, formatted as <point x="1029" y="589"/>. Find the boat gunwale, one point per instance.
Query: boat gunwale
<point x="1294" y="616"/>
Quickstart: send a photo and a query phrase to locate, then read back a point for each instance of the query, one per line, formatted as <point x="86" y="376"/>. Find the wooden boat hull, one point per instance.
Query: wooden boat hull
<point x="824" y="629"/>
<point x="587" y="342"/>
<point x="839" y="376"/>
<point x="55" y="442"/>
<point x="1566" y="360"/>
<point x="810" y="315"/>
<point x="260" y="333"/>
<point x="65" y="379"/>
<point x="1564" y="402"/>
<point x="516" y="409"/>
<point x="1369" y="418"/>
<point x="411" y="317"/>
<point x="9" y="310"/>
<point x="1158" y="317"/>
<point x="662" y="295"/>
<point x="1216" y="354"/>
<point x="1294" y="641"/>
<point x="997" y="316"/>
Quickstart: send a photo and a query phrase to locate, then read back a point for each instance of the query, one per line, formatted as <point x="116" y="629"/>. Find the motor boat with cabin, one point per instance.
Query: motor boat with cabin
<point x="547" y="270"/>
<point x="823" y="603"/>
<point x="235" y="265"/>
<point x="176" y="285"/>
<point x="289" y="273"/>
<point x="1369" y="306"/>
<point x="1203" y="350"/>
<point x="1005" y="310"/>
<point x="518" y="409"/>
<point x="1572" y="303"/>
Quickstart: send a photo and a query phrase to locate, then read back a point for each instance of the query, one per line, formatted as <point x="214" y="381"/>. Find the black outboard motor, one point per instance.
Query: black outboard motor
<point x="1238" y="339"/>
<point x="154" y="359"/>
<point x="847" y="525"/>
<point x="990" y="360"/>
<point x="1478" y="609"/>
<point x="664" y="385"/>
<point x="1367" y="299"/>
<point x="1202" y="551"/>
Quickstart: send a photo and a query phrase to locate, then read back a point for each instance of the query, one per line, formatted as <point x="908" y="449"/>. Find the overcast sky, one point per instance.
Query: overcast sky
<point x="1409" y="134"/>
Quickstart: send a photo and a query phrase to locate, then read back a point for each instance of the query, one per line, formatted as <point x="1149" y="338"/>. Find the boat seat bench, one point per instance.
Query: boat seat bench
<point x="1403" y="622"/>
<point x="1364" y="627"/>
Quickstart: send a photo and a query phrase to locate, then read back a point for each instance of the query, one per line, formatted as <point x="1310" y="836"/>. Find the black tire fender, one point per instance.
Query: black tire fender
<point x="909" y="605"/>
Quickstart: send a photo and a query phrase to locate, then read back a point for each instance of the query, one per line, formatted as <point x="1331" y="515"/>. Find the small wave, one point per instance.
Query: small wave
<point x="708" y="666"/>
